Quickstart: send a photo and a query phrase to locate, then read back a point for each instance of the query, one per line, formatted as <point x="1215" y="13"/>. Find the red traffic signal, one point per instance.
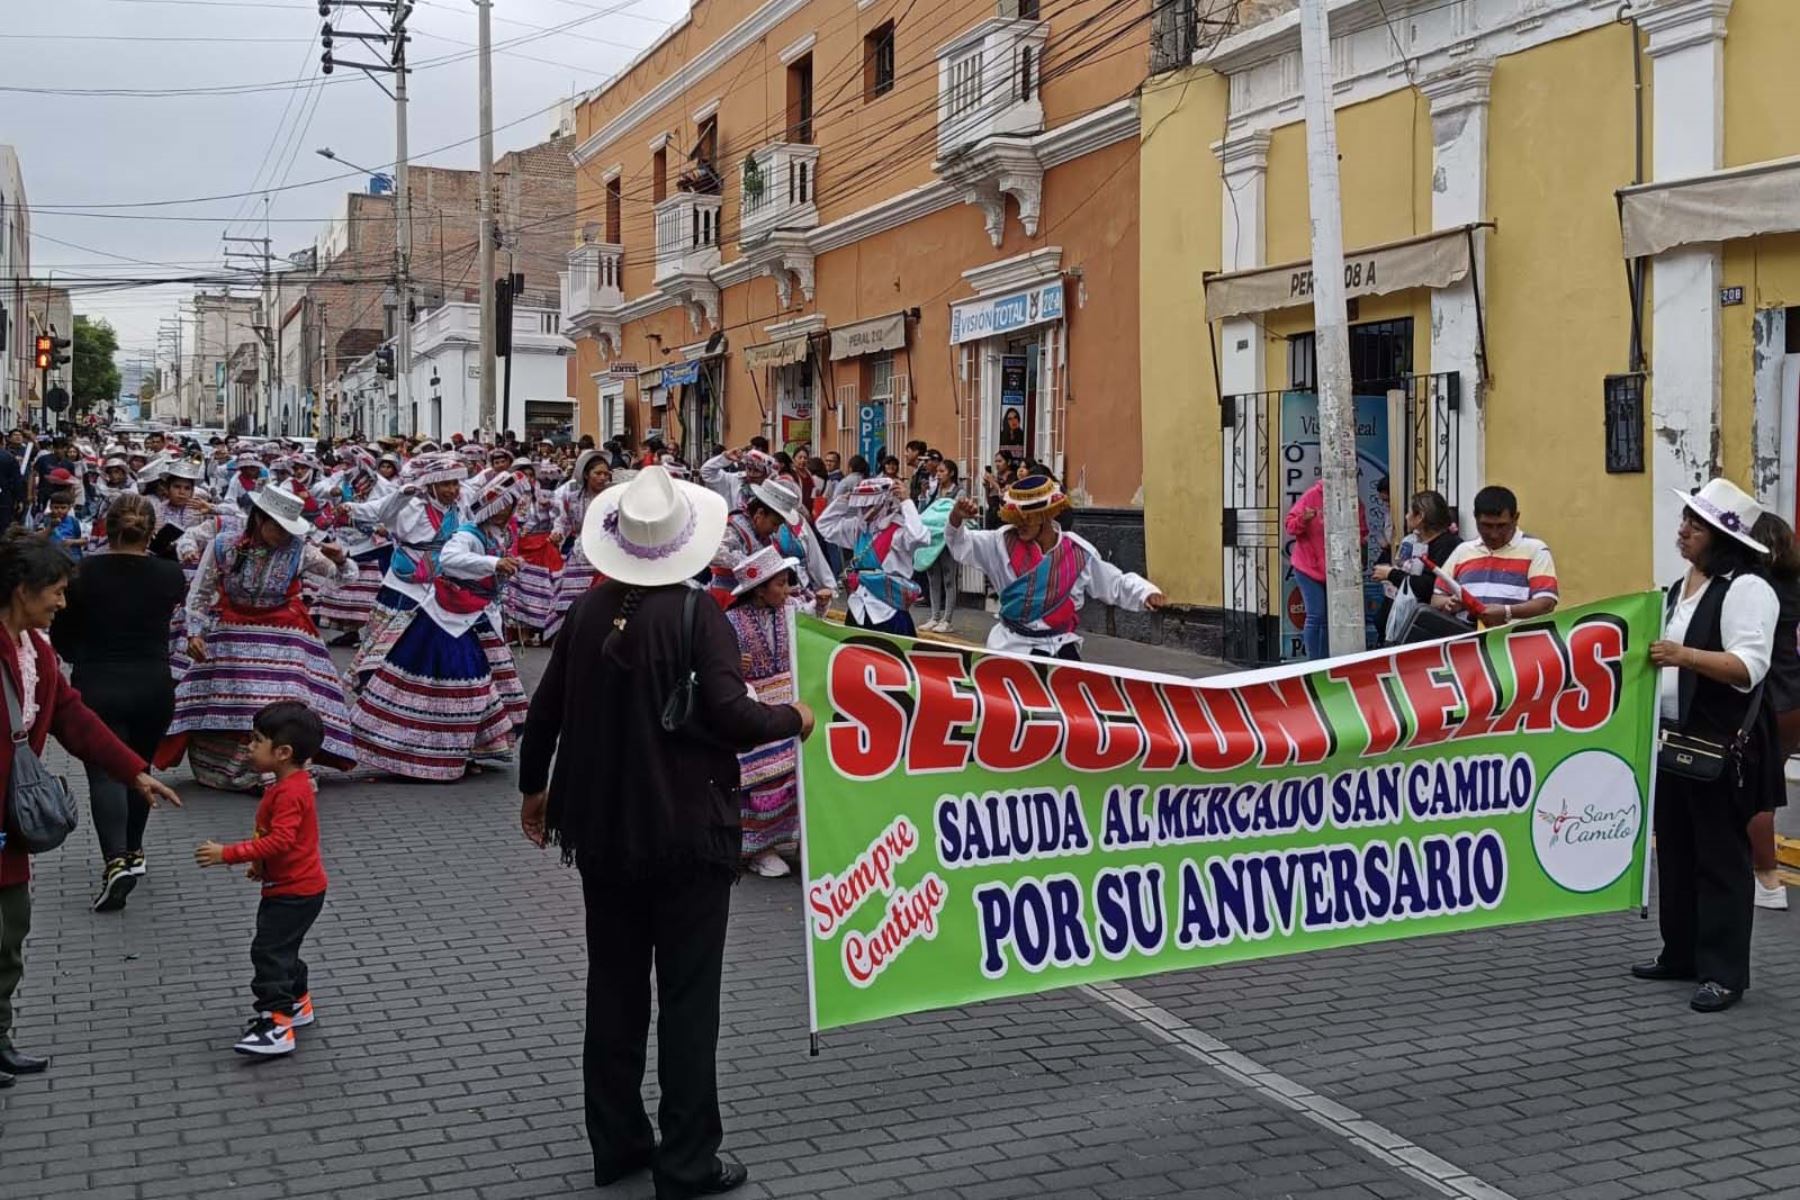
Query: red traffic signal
<point x="45" y="352"/>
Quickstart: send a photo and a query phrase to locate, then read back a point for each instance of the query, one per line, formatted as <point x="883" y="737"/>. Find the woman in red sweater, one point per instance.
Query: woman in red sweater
<point x="33" y="577"/>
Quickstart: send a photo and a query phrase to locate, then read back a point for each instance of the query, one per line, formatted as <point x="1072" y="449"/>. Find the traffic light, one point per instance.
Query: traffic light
<point x="60" y="345"/>
<point x="45" y="351"/>
<point x="384" y="362"/>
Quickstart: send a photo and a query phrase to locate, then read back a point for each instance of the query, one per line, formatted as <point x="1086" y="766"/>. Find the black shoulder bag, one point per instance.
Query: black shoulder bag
<point x="39" y="809"/>
<point x="678" y="709"/>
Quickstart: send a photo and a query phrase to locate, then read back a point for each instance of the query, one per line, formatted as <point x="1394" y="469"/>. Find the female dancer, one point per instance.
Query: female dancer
<point x="530" y="604"/>
<point x="348" y="607"/>
<point x="591" y="476"/>
<point x="445" y="696"/>
<point x="253" y="643"/>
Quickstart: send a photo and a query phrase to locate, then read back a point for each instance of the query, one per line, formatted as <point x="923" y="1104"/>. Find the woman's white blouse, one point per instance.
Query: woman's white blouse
<point x="1746" y="629"/>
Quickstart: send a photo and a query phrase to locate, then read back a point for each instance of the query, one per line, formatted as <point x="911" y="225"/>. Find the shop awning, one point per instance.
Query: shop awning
<point x="869" y="337"/>
<point x="1435" y="260"/>
<point x="780" y="353"/>
<point x="1716" y="207"/>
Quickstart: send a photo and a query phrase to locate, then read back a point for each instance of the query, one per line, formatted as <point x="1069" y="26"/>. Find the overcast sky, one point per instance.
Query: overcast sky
<point x="80" y="153"/>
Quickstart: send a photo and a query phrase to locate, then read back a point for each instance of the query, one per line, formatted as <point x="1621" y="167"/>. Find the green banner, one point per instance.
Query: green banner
<point x="978" y="825"/>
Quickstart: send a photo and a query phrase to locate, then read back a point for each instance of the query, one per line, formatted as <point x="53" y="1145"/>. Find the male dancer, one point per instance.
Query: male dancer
<point x="1044" y="575"/>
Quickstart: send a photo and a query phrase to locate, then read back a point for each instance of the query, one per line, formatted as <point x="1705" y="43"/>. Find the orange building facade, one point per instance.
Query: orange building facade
<point x="849" y="225"/>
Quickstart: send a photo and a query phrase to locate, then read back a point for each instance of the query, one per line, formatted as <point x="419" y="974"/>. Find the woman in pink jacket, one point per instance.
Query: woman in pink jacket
<point x="1306" y="525"/>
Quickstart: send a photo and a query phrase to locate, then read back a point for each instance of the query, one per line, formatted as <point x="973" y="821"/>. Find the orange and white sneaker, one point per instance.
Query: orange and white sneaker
<point x="266" y="1035"/>
<point x="303" y="1011"/>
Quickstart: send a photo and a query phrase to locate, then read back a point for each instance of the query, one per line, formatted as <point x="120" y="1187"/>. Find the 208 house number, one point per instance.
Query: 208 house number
<point x="1359" y="274"/>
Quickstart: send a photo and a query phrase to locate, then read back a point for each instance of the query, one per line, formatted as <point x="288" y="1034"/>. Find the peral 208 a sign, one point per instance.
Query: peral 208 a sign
<point x="1003" y="314"/>
<point x="1359" y="276"/>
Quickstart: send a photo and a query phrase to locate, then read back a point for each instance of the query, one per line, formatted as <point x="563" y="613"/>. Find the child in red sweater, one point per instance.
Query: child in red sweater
<point x="284" y="854"/>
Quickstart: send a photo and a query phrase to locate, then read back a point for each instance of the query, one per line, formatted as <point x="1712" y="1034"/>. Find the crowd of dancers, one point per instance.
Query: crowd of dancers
<point x="437" y="561"/>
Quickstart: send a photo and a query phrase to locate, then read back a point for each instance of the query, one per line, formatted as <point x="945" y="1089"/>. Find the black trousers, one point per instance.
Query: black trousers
<point x="1069" y="652"/>
<point x="1705" y="889"/>
<point x="281" y="925"/>
<point x="677" y="922"/>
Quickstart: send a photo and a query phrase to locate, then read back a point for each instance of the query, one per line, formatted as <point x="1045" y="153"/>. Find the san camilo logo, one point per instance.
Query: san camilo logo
<point x="1585" y="821"/>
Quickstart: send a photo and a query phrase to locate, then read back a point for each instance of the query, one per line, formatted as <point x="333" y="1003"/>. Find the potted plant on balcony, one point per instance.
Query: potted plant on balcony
<point x="753" y="181"/>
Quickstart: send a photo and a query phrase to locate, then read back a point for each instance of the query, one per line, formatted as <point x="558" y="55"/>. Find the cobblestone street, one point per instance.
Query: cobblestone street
<point x="448" y="973"/>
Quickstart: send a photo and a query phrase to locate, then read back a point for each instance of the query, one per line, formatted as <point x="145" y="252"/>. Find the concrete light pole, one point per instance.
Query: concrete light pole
<point x="1337" y="412"/>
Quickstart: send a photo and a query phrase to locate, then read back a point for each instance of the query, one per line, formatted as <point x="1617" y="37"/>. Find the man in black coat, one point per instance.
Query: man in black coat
<point x="658" y="842"/>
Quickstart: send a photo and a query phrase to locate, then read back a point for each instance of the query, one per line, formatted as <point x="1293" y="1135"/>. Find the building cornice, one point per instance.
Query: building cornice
<point x="679" y="81"/>
<point x="1019" y="271"/>
<point x="1383" y="46"/>
<point x="1678" y="24"/>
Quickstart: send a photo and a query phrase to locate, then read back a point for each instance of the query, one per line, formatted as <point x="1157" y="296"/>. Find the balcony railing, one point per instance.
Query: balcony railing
<point x="687" y="235"/>
<point x="988" y="83"/>
<point x="777" y="189"/>
<point x="592" y="287"/>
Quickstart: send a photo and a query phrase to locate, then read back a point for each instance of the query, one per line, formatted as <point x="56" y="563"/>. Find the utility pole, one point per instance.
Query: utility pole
<point x="403" y="212"/>
<point x="396" y="37"/>
<point x="484" y="39"/>
<point x="1337" y="413"/>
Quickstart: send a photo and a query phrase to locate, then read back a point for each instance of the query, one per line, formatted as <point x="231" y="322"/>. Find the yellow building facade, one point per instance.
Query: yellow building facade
<point x="1501" y="168"/>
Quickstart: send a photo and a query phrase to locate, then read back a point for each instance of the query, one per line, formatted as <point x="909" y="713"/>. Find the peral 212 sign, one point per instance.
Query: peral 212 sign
<point x="993" y="315"/>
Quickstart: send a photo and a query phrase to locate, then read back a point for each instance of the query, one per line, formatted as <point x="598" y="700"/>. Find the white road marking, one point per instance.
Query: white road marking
<point x="1377" y="1141"/>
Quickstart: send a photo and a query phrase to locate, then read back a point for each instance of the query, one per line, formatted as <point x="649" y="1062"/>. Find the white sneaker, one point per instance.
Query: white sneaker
<point x="769" y="865"/>
<point x="1775" y="898"/>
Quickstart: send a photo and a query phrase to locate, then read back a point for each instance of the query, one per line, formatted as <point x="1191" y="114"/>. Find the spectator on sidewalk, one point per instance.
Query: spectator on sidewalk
<point x="658" y="847"/>
<point x="1783" y="697"/>
<point x="1306" y="525"/>
<point x="33" y="578"/>
<point x="115" y="635"/>
<point x="1718" y="638"/>
<point x="1512" y="575"/>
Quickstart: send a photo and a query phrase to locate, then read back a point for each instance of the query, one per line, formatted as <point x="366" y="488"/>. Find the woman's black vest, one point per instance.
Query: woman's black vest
<point x="1708" y="708"/>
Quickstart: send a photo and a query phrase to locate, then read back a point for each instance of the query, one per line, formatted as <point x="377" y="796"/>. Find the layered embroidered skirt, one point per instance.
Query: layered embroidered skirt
<point x="253" y="660"/>
<point x="429" y="703"/>
<point x="348" y="606"/>
<point x="531" y="598"/>
<point x="770" y="800"/>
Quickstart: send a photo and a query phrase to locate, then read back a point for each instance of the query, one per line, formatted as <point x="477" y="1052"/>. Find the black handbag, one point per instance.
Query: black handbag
<point x="39" y="810"/>
<point x="678" y="709"/>
<point x="1703" y="760"/>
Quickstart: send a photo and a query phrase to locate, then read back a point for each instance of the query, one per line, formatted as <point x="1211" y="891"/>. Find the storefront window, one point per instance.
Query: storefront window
<point x="794" y="405"/>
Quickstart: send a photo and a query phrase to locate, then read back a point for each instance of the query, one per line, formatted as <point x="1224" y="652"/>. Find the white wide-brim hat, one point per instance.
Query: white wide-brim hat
<point x="1728" y="508"/>
<point x="653" y="531"/>
<point x="757" y="569"/>
<point x="284" y="508"/>
<point x="781" y="496"/>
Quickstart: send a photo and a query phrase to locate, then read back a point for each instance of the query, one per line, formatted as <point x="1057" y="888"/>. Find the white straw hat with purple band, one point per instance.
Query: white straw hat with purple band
<point x="654" y="530"/>
<point x="1726" y="507"/>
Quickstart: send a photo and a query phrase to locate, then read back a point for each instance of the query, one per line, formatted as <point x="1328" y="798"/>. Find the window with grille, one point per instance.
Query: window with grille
<point x="1381" y="355"/>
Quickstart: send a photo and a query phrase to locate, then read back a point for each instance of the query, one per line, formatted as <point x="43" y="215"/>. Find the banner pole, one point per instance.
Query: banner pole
<point x="1662" y="622"/>
<point x="812" y="991"/>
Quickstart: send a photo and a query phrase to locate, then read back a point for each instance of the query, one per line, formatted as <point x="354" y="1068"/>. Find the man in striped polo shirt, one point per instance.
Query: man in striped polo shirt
<point x="1510" y="573"/>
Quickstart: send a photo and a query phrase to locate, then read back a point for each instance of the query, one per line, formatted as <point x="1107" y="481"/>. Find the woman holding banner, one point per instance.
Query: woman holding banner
<point x="1718" y="639"/>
